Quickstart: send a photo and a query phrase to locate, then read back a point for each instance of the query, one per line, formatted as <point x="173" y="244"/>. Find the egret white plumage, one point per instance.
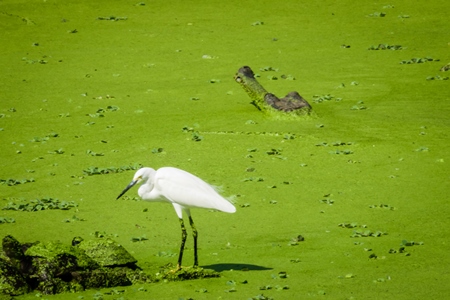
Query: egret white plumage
<point x="184" y="191"/>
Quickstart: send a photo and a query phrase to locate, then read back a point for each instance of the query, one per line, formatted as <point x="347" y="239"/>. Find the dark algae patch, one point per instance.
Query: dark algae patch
<point x="346" y="201"/>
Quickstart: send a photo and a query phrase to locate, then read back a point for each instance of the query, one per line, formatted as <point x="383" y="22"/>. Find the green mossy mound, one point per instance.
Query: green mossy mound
<point x="53" y="267"/>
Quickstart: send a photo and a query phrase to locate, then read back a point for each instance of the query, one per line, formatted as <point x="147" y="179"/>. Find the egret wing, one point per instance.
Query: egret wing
<point x="189" y="191"/>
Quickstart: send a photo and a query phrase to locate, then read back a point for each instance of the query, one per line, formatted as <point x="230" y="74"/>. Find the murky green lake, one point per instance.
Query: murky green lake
<point x="365" y="180"/>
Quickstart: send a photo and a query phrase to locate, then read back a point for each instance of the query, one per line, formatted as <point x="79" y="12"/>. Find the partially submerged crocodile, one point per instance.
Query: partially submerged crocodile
<point x="292" y="103"/>
<point x="445" y="68"/>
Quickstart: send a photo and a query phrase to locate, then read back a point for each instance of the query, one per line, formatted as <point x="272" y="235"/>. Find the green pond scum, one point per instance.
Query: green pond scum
<point x="104" y="87"/>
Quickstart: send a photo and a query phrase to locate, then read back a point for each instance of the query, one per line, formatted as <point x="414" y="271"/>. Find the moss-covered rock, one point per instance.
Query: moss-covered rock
<point x="54" y="267"/>
<point x="12" y="281"/>
<point x="106" y="252"/>
<point x="61" y="256"/>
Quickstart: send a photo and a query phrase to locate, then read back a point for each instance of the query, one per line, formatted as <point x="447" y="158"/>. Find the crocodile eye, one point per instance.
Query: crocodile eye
<point x="238" y="79"/>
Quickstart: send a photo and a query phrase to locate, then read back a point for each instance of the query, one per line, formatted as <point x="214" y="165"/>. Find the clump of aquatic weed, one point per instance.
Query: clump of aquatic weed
<point x="21" y="204"/>
<point x="186" y="273"/>
<point x="11" y="181"/>
<point x="109" y="170"/>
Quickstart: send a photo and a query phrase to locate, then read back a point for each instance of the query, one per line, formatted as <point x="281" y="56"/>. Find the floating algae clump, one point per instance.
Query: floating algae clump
<point x="186" y="273"/>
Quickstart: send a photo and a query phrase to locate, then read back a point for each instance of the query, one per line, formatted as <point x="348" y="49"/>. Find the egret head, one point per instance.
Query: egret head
<point x="138" y="177"/>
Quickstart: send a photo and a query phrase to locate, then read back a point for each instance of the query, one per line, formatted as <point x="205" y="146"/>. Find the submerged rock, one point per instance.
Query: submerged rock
<point x="107" y="253"/>
<point x="54" y="267"/>
<point x="103" y="277"/>
<point x="12" y="281"/>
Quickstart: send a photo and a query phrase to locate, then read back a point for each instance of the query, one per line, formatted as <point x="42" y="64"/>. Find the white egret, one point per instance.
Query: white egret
<point x="184" y="191"/>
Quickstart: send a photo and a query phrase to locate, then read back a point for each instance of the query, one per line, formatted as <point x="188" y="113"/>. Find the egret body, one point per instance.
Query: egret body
<point x="184" y="191"/>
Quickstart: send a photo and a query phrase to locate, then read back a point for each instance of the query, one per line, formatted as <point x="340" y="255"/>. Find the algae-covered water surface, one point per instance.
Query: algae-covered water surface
<point x="350" y="202"/>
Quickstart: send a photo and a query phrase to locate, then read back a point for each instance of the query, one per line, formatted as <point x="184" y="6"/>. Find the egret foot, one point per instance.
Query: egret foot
<point x="178" y="268"/>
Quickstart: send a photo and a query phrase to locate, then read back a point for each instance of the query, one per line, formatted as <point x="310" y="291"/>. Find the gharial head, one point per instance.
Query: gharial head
<point x="243" y="73"/>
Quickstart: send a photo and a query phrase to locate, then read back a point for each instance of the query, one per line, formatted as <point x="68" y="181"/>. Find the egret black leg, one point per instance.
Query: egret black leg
<point x="183" y="241"/>
<point x="194" y="234"/>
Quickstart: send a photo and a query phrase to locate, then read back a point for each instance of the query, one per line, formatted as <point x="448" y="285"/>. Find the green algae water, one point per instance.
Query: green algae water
<point x="91" y="90"/>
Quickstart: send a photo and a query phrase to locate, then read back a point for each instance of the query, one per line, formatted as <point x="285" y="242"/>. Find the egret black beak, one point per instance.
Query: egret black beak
<point x="133" y="183"/>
